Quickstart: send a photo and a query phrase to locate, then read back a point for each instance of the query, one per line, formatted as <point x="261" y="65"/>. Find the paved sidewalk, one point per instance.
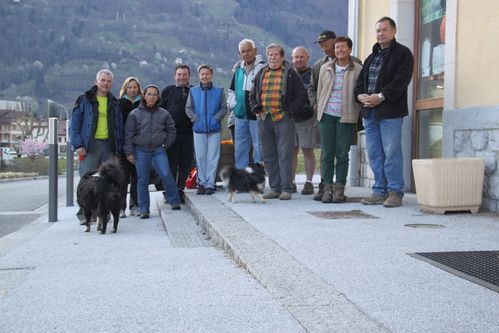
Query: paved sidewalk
<point x="355" y="275"/>
<point x="56" y="278"/>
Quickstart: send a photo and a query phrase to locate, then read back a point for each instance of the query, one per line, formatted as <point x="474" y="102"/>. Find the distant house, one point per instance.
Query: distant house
<point x="16" y="126"/>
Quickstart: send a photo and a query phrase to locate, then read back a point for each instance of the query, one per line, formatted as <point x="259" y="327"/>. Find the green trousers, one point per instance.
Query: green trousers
<point x="336" y="139"/>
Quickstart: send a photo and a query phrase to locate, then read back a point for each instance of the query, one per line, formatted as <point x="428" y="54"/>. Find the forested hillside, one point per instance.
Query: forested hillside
<point x="53" y="48"/>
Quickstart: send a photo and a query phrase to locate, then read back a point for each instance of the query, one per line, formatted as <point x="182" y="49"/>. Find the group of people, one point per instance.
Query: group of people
<point x="151" y="128"/>
<point x="276" y="108"/>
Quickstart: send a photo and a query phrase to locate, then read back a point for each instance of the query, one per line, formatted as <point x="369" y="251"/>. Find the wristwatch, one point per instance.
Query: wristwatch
<point x="381" y="97"/>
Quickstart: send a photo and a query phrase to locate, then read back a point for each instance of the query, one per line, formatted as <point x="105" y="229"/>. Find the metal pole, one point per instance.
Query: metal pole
<point x="69" y="169"/>
<point x="53" y="169"/>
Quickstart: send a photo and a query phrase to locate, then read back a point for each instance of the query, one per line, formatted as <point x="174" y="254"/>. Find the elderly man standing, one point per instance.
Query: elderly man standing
<point x="382" y="89"/>
<point x="246" y="128"/>
<point x="96" y="128"/>
<point x="306" y="130"/>
<point x="277" y="94"/>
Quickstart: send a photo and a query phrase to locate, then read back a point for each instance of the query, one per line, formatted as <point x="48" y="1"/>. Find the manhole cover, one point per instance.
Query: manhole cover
<point x="342" y="215"/>
<point x="481" y="267"/>
<point x="425" y="225"/>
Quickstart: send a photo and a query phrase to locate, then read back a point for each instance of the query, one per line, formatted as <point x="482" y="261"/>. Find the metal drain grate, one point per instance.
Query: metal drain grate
<point x="343" y="215"/>
<point x="481" y="267"/>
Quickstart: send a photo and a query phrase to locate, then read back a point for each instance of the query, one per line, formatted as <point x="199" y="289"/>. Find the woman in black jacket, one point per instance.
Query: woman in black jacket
<point x="130" y="97"/>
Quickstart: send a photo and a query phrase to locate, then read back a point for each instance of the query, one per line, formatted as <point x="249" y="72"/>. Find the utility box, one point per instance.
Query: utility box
<point x="449" y="184"/>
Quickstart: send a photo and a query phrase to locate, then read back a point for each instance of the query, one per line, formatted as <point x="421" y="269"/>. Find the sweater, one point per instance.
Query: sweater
<point x="173" y="100"/>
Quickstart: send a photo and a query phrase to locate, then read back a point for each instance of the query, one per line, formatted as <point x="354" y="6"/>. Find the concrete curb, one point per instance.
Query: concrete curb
<point x="314" y="303"/>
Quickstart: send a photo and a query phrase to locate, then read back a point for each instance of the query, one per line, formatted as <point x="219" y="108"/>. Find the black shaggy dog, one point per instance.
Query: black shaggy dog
<point x="251" y="179"/>
<point x="99" y="193"/>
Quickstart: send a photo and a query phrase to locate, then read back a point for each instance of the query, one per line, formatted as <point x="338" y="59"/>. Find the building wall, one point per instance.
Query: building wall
<point x="369" y="12"/>
<point x="476" y="53"/>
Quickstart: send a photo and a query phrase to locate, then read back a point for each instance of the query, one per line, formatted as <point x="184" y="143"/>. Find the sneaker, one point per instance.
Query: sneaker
<point x="393" y="200"/>
<point x="122" y="214"/>
<point x="201" y="190"/>
<point x="374" y="199"/>
<point x="134" y="212"/>
<point x="327" y="195"/>
<point x="210" y="190"/>
<point x="308" y="188"/>
<point x="285" y="196"/>
<point x="175" y="206"/>
<point x="293" y="188"/>
<point x="144" y="215"/>
<point x="271" y="195"/>
<point x="320" y="192"/>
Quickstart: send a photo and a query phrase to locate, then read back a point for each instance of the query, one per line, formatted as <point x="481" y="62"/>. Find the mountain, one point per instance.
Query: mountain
<point x="52" y="49"/>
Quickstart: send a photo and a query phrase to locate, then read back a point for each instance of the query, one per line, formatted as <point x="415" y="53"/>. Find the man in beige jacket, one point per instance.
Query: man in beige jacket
<point x="337" y="113"/>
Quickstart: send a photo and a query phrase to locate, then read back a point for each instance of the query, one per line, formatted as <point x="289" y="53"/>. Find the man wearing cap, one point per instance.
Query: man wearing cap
<point x="382" y="90"/>
<point x="326" y="43"/>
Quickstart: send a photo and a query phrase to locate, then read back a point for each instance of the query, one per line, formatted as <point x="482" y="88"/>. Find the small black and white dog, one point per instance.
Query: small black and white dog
<point x="251" y="179"/>
<point x="99" y="193"/>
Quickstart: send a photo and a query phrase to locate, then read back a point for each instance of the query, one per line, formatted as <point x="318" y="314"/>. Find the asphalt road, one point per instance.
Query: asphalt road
<point x="23" y="201"/>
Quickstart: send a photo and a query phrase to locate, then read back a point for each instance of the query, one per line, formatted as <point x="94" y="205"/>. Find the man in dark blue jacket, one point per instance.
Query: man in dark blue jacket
<point x="96" y="128"/>
<point x="382" y="90"/>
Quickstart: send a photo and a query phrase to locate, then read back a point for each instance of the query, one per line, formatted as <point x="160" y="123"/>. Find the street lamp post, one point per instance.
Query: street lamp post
<point x="69" y="159"/>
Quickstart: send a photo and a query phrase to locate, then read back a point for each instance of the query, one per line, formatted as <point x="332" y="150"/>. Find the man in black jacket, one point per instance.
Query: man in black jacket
<point x="180" y="154"/>
<point x="382" y="90"/>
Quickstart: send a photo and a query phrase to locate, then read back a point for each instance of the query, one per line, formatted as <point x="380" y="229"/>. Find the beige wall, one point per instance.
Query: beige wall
<point x="477" y="54"/>
<point x="370" y="12"/>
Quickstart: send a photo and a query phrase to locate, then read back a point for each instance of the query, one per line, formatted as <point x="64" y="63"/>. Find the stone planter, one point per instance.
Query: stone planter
<point x="452" y="184"/>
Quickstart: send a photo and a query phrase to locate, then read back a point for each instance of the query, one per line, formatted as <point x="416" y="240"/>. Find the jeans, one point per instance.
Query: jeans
<point x="336" y="139"/>
<point x="246" y="130"/>
<point x="207" y="150"/>
<point x="384" y="150"/>
<point x="159" y="160"/>
<point x="278" y="143"/>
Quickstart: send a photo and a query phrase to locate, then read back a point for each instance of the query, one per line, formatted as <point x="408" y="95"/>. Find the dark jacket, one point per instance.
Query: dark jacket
<point x="127" y="106"/>
<point x="84" y="121"/>
<point x="294" y="95"/>
<point x="149" y="129"/>
<point x="173" y="100"/>
<point x="394" y="76"/>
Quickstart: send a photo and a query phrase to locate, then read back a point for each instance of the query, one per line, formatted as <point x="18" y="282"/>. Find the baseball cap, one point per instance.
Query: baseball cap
<point x="325" y="35"/>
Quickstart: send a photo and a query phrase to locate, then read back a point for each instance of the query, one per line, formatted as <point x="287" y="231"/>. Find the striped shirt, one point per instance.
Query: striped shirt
<point x="334" y="104"/>
<point x="271" y="94"/>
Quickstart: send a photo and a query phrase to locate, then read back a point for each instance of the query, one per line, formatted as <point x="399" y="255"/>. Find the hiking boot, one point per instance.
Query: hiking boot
<point x="339" y="193"/>
<point x="271" y="195"/>
<point x="285" y="196"/>
<point x="374" y="199"/>
<point x="134" y="212"/>
<point x="201" y="190"/>
<point x="327" y="195"/>
<point x="293" y="188"/>
<point x="394" y="200"/>
<point x="308" y="188"/>
<point x="175" y="206"/>
<point x="210" y="190"/>
<point x="144" y="215"/>
<point x="320" y="192"/>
